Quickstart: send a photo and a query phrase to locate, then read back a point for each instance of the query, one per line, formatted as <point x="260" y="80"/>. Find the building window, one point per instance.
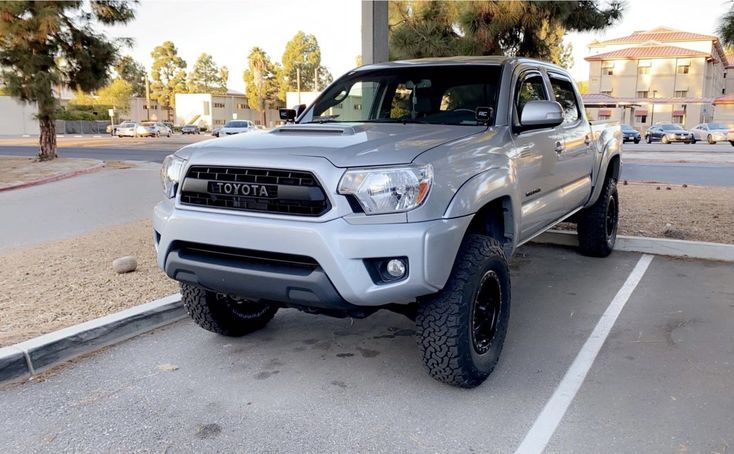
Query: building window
<point x="218" y="122"/>
<point x="642" y="70"/>
<point x="681" y="93"/>
<point x="242" y="106"/>
<point x="723" y="90"/>
<point x="218" y="105"/>
<point x="607" y="92"/>
<point x="357" y="107"/>
<point x="678" y="119"/>
<point x="643" y="94"/>
<point x="641" y="119"/>
<point x="605" y="117"/>
<point x="683" y="69"/>
<point x="607" y="68"/>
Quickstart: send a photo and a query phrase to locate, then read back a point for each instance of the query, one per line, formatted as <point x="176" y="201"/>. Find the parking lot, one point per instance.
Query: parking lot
<point x="661" y="383"/>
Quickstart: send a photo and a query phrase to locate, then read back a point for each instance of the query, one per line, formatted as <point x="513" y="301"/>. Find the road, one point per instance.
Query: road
<point x="697" y="173"/>
<point x="661" y="383"/>
<point x="78" y="205"/>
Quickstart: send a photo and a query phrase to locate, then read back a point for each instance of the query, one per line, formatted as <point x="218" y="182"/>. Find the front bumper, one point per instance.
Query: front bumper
<point x="338" y="246"/>
<point x="679" y="138"/>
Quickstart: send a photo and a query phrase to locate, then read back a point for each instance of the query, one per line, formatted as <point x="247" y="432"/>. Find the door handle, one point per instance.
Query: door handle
<point x="559" y="147"/>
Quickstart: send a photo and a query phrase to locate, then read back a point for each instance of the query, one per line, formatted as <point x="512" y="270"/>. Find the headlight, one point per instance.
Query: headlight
<point x="171" y="174"/>
<point x="388" y="189"/>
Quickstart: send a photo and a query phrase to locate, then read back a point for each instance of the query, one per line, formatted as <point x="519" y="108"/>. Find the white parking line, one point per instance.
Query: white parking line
<point x="545" y="425"/>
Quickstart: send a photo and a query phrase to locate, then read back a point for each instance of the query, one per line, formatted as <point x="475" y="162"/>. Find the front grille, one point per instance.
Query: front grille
<point x="287" y="192"/>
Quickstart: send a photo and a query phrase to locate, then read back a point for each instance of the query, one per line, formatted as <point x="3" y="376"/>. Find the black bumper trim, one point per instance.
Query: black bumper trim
<point x="275" y="282"/>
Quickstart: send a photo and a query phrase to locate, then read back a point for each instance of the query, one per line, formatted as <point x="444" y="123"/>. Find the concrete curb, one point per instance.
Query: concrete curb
<point x="57" y="177"/>
<point x="26" y="359"/>
<point x="658" y="246"/>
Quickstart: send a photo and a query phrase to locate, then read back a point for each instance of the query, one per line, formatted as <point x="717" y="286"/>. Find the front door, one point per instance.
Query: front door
<point x="572" y="178"/>
<point x="534" y="155"/>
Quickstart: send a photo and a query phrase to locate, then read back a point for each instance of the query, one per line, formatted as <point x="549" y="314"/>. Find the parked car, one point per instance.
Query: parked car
<point x="414" y="205"/>
<point x="190" y="129"/>
<point x="630" y="134"/>
<point x="170" y="126"/>
<point x="235" y="127"/>
<point x="667" y="133"/>
<point x="129" y="129"/>
<point x="710" y="132"/>
<point x="215" y="132"/>
<point x="158" y="129"/>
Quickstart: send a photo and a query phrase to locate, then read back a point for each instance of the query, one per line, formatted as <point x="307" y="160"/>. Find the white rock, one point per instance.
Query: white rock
<point x="125" y="264"/>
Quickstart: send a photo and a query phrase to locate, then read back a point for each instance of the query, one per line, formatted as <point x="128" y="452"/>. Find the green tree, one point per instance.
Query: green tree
<point x="169" y="75"/>
<point x="206" y="76"/>
<point x="302" y="54"/>
<point x="224" y="79"/>
<point x="53" y="44"/>
<point x="133" y="73"/>
<point x="524" y="28"/>
<point x="117" y="94"/>
<point x="261" y="83"/>
<point x="726" y="27"/>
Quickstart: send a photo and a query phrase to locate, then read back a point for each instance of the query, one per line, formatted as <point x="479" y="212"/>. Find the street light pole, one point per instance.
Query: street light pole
<point x="147" y="97"/>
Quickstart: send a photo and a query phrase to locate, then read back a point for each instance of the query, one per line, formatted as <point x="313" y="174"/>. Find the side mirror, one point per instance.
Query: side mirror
<point x="541" y="114"/>
<point x="287" y="114"/>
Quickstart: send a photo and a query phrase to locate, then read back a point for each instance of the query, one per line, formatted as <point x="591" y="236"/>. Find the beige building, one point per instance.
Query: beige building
<point x="660" y="75"/>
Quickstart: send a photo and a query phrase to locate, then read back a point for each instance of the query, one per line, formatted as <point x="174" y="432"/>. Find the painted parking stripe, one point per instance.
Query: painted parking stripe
<point x="545" y="425"/>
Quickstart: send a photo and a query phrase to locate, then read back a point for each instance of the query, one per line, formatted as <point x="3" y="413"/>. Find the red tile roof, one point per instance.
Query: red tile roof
<point x="659" y="34"/>
<point x="633" y="53"/>
<point x="724" y="100"/>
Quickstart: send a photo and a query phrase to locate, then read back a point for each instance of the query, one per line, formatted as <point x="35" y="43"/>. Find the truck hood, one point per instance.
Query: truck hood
<point x="345" y="145"/>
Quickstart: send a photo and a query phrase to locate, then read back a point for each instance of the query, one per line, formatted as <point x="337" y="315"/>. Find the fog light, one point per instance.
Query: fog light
<point x="396" y="268"/>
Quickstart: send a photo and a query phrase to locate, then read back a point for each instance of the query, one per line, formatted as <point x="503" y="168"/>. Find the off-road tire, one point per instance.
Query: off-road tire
<point x="445" y="320"/>
<point x="223" y="315"/>
<point x="597" y="233"/>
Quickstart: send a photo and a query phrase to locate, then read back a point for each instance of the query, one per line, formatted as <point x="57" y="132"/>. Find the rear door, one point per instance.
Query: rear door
<point x="572" y="176"/>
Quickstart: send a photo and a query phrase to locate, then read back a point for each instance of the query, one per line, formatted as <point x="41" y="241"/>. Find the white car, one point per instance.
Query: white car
<point x="158" y="129"/>
<point x="710" y="132"/>
<point x="236" y="127"/>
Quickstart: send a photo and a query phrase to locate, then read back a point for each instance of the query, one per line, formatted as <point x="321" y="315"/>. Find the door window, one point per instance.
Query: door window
<point x="531" y="88"/>
<point x="566" y="97"/>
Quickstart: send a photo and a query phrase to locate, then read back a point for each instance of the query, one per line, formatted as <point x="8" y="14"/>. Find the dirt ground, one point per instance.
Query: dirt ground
<point x="14" y="171"/>
<point x="692" y="213"/>
<point x="55" y="285"/>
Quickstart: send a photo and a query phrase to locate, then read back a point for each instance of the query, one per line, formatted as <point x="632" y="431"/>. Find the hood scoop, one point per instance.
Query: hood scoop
<point x="313" y="129"/>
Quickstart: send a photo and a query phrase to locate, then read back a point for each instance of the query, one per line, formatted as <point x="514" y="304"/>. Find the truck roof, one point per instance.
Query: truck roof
<point x="490" y="60"/>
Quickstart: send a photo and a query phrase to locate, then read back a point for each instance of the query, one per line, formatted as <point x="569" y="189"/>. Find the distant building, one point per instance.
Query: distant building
<point x="139" y="111"/>
<point x="17" y="117"/>
<point x="654" y="76"/>
<point x="213" y="111"/>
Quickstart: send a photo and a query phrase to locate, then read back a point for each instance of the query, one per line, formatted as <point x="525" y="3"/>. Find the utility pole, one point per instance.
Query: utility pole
<point x="316" y="79"/>
<point x="298" y="84"/>
<point x="147" y="96"/>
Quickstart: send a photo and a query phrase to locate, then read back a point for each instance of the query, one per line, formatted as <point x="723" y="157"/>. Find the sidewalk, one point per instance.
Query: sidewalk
<point x="21" y="172"/>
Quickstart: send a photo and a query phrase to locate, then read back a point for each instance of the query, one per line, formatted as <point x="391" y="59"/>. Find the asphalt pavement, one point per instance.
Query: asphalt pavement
<point x="662" y="381"/>
<point x="78" y="205"/>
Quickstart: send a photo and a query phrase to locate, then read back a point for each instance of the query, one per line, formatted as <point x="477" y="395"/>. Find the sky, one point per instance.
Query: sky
<point x="228" y="29"/>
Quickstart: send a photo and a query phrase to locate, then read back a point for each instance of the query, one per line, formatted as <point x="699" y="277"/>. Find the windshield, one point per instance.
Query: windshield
<point x="628" y="128"/>
<point x="423" y="94"/>
<point x="236" y="124"/>
<point x="716" y="126"/>
<point x="670" y="127"/>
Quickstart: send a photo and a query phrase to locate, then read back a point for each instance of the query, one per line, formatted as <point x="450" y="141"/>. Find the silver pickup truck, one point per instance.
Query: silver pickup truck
<point x="405" y="186"/>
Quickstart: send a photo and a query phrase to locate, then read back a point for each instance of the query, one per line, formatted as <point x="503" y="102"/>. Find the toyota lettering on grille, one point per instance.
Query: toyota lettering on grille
<point x="265" y="191"/>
